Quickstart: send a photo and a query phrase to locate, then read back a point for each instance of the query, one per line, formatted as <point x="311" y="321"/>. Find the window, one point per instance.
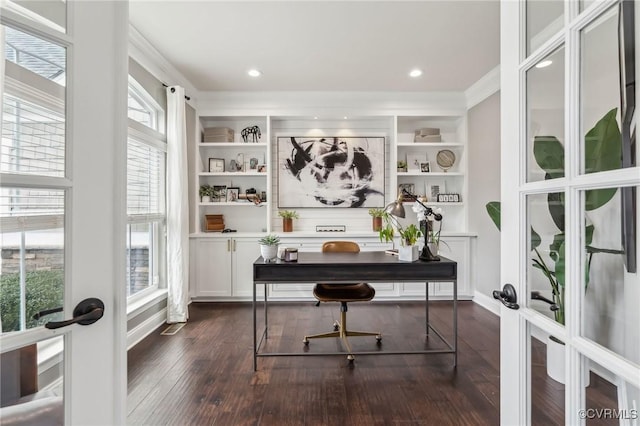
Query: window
<point x="32" y="180"/>
<point x="146" y="156"/>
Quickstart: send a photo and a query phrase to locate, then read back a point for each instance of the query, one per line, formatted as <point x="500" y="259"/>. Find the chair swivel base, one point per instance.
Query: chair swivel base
<point x="341" y="332"/>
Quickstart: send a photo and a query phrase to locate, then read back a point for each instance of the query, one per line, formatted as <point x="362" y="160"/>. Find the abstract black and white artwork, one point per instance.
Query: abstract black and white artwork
<point x="330" y="172"/>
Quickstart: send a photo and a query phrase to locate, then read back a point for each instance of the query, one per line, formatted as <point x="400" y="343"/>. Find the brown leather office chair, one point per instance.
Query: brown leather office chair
<point x="343" y="293"/>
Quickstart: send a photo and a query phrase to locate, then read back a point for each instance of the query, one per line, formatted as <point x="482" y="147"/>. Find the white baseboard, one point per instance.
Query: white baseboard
<point x="145" y="328"/>
<point x="487" y="302"/>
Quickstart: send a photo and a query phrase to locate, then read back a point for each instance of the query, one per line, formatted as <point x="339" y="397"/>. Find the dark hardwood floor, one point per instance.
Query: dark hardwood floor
<point x="203" y="375"/>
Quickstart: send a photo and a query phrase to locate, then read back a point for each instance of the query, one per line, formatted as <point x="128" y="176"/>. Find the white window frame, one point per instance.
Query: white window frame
<point x="154" y="138"/>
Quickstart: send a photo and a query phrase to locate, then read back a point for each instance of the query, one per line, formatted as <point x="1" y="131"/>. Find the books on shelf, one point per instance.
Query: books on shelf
<point x="218" y="134"/>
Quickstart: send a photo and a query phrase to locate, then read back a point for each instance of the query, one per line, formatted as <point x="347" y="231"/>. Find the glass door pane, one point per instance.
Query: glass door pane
<point x="544" y="19"/>
<point x="600" y="94"/>
<point x="545" y="118"/>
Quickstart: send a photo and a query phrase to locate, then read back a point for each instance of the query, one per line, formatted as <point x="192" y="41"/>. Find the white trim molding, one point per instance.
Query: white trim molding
<point x="487" y="302"/>
<point x="135" y="335"/>
<point x="486" y="86"/>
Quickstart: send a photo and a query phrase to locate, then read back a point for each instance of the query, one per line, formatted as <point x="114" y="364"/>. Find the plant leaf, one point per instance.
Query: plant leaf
<point x="535" y="239"/>
<point x="549" y="154"/>
<point x="559" y="269"/>
<point x="555" y="201"/>
<point x="602" y="151"/>
<point x="493" y="209"/>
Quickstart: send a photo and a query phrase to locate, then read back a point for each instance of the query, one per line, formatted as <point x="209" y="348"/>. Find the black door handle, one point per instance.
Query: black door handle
<point x="507" y="296"/>
<point x="87" y="312"/>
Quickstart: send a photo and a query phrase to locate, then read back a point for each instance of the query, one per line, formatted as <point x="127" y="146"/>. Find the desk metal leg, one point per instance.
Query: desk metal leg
<point x="255" y="330"/>
<point x="266" y="328"/>
<point x="426" y="306"/>
<point x="455" y="323"/>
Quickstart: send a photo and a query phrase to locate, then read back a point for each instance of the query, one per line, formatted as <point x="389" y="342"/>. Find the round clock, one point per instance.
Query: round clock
<point x="445" y="159"/>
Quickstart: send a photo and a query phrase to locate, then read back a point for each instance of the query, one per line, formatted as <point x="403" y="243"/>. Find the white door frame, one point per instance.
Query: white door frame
<point x="515" y="394"/>
<point x="95" y="374"/>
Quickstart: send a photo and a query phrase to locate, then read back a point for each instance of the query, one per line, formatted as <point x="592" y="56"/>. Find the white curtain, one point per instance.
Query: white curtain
<point x="177" y="208"/>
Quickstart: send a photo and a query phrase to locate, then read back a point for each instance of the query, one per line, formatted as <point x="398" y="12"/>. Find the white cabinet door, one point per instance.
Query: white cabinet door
<point x="212" y="268"/>
<point x="245" y="252"/>
<point x="459" y="250"/>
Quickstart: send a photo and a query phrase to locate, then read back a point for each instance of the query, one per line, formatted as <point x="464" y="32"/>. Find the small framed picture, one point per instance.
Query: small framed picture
<point x="262" y="168"/>
<point x="409" y="187"/>
<point x="219" y="193"/>
<point x="253" y="163"/>
<point x="414" y="161"/>
<point x="232" y="194"/>
<point x="216" y="165"/>
<point x="425" y="167"/>
<point x="435" y="187"/>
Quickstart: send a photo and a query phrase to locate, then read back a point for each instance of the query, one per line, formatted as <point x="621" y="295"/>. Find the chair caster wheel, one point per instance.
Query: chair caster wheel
<point x="350" y="358"/>
<point x="378" y="340"/>
<point x="305" y="341"/>
<point x="336" y="326"/>
<point x="379" y="337"/>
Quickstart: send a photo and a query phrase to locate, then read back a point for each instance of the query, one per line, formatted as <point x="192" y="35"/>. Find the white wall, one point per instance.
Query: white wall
<point x="484" y="186"/>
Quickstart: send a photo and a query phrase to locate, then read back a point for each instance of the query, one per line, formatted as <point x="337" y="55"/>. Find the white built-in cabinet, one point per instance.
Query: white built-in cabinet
<point x="221" y="263"/>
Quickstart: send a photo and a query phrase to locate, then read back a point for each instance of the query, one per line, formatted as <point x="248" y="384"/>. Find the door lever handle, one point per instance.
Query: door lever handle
<point x="507" y="296"/>
<point x="87" y="312"/>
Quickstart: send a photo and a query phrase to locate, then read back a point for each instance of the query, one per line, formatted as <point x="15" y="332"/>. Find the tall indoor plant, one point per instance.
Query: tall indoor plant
<point x="602" y="152"/>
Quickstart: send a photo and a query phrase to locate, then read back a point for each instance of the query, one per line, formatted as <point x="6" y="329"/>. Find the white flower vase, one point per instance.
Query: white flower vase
<point x="206" y="199"/>
<point x="269" y="253"/>
<point x="433" y="247"/>
<point x="408" y="253"/>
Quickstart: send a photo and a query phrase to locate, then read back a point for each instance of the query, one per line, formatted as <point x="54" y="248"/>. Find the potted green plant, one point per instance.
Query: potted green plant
<point x="269" y="246"/>
<point x="402" y="166"/>
<point x="205" y="193"/>
<point x="408" y="250"/>
<point x="602" y="152"/>
<point x="287" y="219"/>
<point x="376" y="215"/>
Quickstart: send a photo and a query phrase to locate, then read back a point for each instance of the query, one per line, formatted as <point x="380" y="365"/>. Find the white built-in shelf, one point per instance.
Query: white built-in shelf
<point x="232" y="145"/>
<point x="231" y="203"/>
<point x="427" y="174"/>
<point x="232" y="174"/>
<point x="431" y="144"/>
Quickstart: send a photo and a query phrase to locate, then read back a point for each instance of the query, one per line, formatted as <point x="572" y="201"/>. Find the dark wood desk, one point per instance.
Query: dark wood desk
<point x="375" y="266"/>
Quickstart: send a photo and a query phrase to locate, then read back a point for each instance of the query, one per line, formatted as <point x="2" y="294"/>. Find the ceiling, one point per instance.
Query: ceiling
<point x="324" y="45"/>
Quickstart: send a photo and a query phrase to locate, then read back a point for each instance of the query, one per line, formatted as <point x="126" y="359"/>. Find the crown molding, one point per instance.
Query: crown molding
<point x="152" y="60"/>
<point x="483" y="88"/>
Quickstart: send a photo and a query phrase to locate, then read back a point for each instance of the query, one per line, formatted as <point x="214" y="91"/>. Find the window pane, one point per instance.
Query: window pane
<point x="139" y="255"/>
<point x="32" y="265"/>
<point x="145" y="179"/>
<point x="50" y="13"/>
<point x="545" y="118"/>
<point x="33" y="103"/>
<point x="544" y="20"/>
<point x="545" y="273"/>
<point x="139" y="113"/>
<point x="610" y="314"/>
<point x="600" y="95"/>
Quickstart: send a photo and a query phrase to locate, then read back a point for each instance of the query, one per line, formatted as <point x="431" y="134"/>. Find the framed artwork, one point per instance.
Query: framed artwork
<point x="425" y="167"/>
<point x="409" y="187"/>
<point x="415" y="160"/>
<point x="216" y="165"/>
<point x="330" y="172"/>
<point x="219" y="193"/>
<point x="435" y="187"/>
<point x="232" y="194"/>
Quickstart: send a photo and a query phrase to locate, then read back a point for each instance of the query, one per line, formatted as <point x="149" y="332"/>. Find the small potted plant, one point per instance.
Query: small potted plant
<point x="205" y="193"/>
<point x="376" y="215"/>
<point x="287" y="219"/>
<point x="402" y="166"/>
<point x="269" y="247"/>
<point x="408" y="250"/>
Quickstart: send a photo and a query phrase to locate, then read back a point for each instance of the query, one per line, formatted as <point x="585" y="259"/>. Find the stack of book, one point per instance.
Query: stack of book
<point x="427" y="134"/>
<point x="214" y="222"/>
<point x="218" y="134"/>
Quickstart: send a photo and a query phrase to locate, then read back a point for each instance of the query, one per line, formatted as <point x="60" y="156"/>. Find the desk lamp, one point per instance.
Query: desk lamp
<point x="397" y="209"/>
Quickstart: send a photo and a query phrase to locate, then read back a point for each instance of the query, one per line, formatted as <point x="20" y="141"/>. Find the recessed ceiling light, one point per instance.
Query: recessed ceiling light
<point x="254" y="73"/>
<point x="544" y="64"/>
<point x="415" y="73"/>
<point x="345" y="117"/>
<point x="315" y="118"/>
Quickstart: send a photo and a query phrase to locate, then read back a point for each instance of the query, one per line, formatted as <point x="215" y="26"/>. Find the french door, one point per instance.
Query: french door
<point x="62" y="210"/>
<point x="570" y="341"/>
